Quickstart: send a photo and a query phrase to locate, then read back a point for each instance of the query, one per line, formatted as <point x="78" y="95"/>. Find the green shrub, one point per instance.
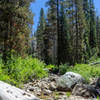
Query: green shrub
<point x="50" y="66"/>
<point x="63" y="68"/>
<point x="86" y="70"/>
<point x="3" y="75"/>
<point x="19" y="70"/>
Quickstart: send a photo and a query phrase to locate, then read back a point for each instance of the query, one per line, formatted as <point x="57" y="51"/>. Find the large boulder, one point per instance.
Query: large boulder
<point x="8" y="92"/>
<point x="68" y="81"/>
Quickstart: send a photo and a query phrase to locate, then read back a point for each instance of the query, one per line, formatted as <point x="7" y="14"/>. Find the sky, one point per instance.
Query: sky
<point x="35" y="7"/>
<point x="38" y="4"/>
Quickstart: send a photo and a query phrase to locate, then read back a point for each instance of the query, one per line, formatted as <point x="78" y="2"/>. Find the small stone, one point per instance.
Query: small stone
<point x="31" y="89"/>
<point x="62" y="93"/>
<point x="52" y="86"/>
<point x="47" y="92"/>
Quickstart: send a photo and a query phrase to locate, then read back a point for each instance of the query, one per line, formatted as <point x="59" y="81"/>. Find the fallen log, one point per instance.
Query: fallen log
<point x="8" y="92"/>
<point x="95" y="63"/>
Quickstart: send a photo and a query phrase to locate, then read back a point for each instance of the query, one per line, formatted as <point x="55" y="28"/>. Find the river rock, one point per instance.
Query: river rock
<point x="68" y="81"/>
<point x="87" y="91"/>
<point x="47" y="92"/>
<point x="52" y="86"/>
<point x="80" y="90"/>
<point x="79" y="98"/>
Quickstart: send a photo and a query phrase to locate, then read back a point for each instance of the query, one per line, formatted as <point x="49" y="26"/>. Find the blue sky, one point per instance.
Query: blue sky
<point x="35" y="7"/>
<point x="38" y="4"/>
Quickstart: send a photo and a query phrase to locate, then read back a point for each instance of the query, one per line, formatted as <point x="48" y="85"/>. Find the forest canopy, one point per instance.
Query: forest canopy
<point x="69" y="33"/>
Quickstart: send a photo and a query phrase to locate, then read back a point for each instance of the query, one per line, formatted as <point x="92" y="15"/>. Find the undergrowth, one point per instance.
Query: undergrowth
<point x="18" y="70"/>
<point x="85" y="70"/>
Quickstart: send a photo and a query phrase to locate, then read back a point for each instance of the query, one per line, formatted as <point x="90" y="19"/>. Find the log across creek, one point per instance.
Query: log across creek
<point x="8" y="92"/>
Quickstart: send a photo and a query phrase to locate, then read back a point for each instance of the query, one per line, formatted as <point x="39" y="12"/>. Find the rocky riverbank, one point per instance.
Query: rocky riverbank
<point x="48" y="89"/>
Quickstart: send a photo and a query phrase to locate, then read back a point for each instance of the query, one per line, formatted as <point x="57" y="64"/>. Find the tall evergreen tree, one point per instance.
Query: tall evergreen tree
<point x="98" y="33"/>
<point x="70" y="8"/>
<point x="64" y="37"/>
<point x="77" y="23"/>
<point x="80" y="31"/>
<point x="17" y="20"/>
<point x="40" y="35"/>
<point x="51" y="31"/>
<point x="87" y="52"/>
<point x="92" y="35"/>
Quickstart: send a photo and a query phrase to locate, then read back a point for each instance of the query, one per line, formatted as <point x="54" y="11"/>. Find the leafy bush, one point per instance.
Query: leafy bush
<point x="18" y="70"/>
<point x="63" y="68"/>
<point x="50" y="66"/>
<point x="86" y="70"/>
<point x="3" y="75"/>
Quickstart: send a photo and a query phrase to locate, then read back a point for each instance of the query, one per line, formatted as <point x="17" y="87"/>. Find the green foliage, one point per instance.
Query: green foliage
<point x="40" y="35"/>
<point x="63" y="68"/>
<point x="50" y="66"/>
<point x="16" y="20"/>
<point x="3" y="75"/>
<point x="94" y="59"/>
<point x="86" y="70"/>
<point x="18" y="70"/>
<point x="68" y="94"/>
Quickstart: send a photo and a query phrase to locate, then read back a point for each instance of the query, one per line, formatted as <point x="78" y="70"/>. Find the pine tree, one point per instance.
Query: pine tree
<point x="92" y="34"/>
<point x="72" y="16"/>
<point x="64" y="37"/>
<point x="17" y="20"/>
<point x="80" y="31"/>
<point x="51" y="31"/>
<point x="87" y="52"/>
<point x="98" y="33"/>
<point x="46" y="42"/>
<point x="77" y="26"/>
<point x="39" y="35"/>
<point x="86" y="9"/>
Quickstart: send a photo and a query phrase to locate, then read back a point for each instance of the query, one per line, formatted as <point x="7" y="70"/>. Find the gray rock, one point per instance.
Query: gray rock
<point x="64" y="97"/>
<point x="80" y="90"/>
<point x="69" y="80"/>
<point x="37" y="91"/>
<point x="79" y="98"/>
<point x="47" y="92"/>
<point x="52" y="86"/>
<point x="8" y="92"/>
<point x="84" y="90"/>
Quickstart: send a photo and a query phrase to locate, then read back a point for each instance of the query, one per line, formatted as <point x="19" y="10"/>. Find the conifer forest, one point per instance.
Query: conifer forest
<point x="69" y="33"/>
